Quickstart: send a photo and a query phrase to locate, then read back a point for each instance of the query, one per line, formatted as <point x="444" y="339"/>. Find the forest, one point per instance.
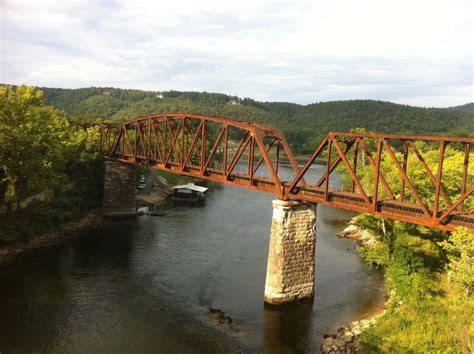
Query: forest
<point x="304" y="125"/>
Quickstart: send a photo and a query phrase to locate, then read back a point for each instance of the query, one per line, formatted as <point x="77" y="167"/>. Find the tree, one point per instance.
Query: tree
<point x="36" y="143"/>
<point x="459" y="249"/>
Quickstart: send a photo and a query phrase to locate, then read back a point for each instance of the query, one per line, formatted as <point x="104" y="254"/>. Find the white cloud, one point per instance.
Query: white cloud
<point x="416" y="52"/>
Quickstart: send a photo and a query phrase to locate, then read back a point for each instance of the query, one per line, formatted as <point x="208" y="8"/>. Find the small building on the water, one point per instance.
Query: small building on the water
<point x="189" y="192"/>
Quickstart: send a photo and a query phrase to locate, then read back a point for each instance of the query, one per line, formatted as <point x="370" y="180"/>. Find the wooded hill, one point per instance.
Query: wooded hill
<point x="304" y="125"/>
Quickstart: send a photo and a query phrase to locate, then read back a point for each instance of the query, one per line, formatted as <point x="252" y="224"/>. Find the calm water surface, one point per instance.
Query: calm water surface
<point x="146" y="285"/>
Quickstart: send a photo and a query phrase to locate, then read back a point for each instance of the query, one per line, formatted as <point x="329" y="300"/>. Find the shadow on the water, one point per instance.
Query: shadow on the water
<point x="287" y="328"/>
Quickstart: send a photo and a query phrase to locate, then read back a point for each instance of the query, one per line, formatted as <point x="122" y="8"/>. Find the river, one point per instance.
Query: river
<point x="146" y="285"/>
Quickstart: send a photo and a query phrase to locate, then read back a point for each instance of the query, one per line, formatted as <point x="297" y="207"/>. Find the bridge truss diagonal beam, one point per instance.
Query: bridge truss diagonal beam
<point x="250" y="155"/>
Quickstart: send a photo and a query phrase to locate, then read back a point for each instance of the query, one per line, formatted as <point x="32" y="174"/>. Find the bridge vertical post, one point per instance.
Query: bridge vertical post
<point x="119" y="190"/>
<point x="290" y="267"/>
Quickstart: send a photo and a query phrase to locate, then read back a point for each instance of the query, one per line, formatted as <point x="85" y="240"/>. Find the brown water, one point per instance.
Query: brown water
<point x="146" y="284"/>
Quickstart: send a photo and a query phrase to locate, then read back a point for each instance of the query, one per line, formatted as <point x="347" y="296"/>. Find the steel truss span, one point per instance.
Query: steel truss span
<point x="250" y="155"/>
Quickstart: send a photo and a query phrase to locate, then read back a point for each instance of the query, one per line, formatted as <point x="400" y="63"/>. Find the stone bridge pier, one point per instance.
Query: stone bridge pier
<point x="119" y="190"/>
<point x="290" y="268"/>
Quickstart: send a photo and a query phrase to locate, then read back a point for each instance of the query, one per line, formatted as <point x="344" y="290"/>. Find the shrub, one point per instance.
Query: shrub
<point x="459" y="250"/>
<point x="377" y="254"/>
<point x="408" y="276"/>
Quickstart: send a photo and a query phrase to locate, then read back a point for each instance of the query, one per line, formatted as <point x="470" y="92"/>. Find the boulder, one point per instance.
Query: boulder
<point x="326" y="348"/>
<point x="348" y="337"/>
<point x="340" y="343"/>
<point x="355" y="323"/>
<point x="349" y="230"/>
<point x="217" y="314"/>
<point x="328" y="341"/>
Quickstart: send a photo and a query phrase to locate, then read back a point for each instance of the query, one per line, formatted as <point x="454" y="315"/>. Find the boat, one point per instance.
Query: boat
<point x="189" y="192"/>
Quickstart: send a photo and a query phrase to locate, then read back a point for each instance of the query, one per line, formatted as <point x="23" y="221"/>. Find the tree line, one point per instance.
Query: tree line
<point x="304" y="125"/>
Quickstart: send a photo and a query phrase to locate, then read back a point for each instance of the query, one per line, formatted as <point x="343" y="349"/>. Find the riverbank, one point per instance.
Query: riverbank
<point x="154" y="198"/>
<point x="10" y="253"/>
<point x="360" y="235"/>
<point x="347" y="338"/>
<point x="431" y="306"/>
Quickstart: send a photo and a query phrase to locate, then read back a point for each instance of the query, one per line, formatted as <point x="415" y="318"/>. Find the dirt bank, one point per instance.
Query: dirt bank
<point x="12" y="252"/>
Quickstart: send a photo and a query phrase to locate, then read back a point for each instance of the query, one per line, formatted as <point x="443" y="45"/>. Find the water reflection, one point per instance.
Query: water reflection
<point x="288" y="328"/>
<point x="146" y="285"/>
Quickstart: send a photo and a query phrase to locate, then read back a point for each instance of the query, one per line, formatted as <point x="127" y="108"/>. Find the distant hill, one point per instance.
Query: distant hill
<point x="304" y="125"/>
<point x="467" y="107"/>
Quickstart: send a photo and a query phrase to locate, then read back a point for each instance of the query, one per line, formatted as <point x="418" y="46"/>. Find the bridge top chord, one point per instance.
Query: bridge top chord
<point x="250" y="155"/>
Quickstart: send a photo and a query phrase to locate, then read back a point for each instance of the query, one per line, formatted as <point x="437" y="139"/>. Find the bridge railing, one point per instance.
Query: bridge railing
<point x="403" y="177"/>
<point x="219" y="149"/>
<point x="395" y="176"/>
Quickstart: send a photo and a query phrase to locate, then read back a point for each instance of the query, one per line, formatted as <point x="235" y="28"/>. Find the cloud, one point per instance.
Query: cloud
<point x="301" y="51"/>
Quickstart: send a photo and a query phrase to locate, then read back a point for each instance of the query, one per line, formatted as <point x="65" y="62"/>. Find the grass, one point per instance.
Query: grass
<point x="439" y="324"/>
<point x="428" y="312"/>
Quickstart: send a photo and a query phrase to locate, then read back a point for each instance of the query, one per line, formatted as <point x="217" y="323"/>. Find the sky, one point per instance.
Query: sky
<point x="417" y="52"/>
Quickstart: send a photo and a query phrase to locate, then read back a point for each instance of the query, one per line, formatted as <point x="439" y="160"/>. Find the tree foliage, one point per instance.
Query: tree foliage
<point x="451" y="175"/>
<point x="304" y="125"/>
<point x="37" y="144"/>
<point x="459" y="249"/>
<point x="425" y="312"/>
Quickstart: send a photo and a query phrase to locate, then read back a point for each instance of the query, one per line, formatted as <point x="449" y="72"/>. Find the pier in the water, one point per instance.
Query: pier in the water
<point x="290" y="268"/>
<point x="119" y="190"/>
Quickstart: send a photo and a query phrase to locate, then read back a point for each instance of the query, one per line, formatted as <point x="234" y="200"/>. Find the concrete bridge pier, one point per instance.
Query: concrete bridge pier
<point x="290" y="268"/>
<point x="119" y="190"/>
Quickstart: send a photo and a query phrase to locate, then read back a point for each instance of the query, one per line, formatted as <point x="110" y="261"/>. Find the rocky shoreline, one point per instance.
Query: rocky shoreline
<point x="10" y="253"/>
<point x="346" y="340"/>
<point x="361" y="236"/>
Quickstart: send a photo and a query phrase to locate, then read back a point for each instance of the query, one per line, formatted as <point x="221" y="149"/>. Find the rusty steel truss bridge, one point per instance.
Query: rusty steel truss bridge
<point x="250" y="155"/>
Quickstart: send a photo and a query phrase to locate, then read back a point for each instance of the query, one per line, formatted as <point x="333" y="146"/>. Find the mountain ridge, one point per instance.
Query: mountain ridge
<point x="304" y="125"/>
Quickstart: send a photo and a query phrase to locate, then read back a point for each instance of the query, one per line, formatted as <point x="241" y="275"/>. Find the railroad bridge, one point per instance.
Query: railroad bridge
<point x="250" y="155"/>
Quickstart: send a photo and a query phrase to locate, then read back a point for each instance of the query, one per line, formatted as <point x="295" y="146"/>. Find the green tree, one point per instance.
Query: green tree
<point x="36" y="143"/>
<point x="460" y="252"/>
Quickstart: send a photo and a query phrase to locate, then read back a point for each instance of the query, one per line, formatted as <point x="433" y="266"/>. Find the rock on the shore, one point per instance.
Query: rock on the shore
<point x="348" y="337"/>
<point x="340" y="343"/>
<point x="346" y="341"/>
<point x="363" y="236"/>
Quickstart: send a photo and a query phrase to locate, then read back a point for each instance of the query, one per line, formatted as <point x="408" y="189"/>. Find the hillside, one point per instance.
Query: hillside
<point x="304" y="125"/>
<point x="466" y="107"/>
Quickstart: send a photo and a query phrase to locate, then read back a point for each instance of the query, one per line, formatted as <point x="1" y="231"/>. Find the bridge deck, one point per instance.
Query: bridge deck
<point x="199" y="146"/>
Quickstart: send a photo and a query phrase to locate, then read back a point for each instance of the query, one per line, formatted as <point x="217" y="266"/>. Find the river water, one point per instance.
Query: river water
<point x="146" y="285"/>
